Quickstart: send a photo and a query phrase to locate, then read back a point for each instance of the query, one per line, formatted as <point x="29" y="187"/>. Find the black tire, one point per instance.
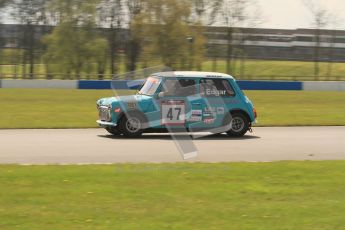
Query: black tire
<point x="132" y="125"/>
<point x="239" y="125"/>
<point x="113" y="130"/>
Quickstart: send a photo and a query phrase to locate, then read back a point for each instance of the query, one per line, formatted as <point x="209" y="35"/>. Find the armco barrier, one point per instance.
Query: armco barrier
<point x="270" y="85"/>
<point x="117" y="84"/>
<point x="123" y="84"/>
<point x="32" y="84"/>
<point x="245" y="85"/>
<point x="93" y="84"/>
<point x="324" y="85"/>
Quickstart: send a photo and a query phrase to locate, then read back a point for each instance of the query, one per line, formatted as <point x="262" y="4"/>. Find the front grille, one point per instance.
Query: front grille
<point x="104" y="113"/>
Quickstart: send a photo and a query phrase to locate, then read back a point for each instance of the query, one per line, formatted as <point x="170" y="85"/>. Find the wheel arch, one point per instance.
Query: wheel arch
<point x="233" y="111"/>
<point x="134" y="112"/>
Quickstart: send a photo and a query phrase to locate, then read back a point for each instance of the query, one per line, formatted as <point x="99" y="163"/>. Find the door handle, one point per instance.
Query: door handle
<point x="196" y="103"/>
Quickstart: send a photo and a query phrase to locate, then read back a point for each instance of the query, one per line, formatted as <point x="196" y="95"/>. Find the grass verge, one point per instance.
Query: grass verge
<point x="252" y="69"/>
<point x="279" y="195"/>
<point x="58" y="108"/>
<point x="290" y="108"/>
<point x="280" y="70"/>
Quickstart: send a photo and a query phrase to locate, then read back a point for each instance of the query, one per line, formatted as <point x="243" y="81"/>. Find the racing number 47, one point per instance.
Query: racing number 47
<point x="170" y="113"/>
<point x="173" y="113"/>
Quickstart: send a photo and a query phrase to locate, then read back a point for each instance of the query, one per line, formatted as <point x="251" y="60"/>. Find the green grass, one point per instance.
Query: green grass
<point x="287" y="108"/>
<point x="253" y="69"/>
<point x="280" y="195"/>
<point x="49" y="108"/>
<point x="281" y="70"/>
<point x="53" y="108"/>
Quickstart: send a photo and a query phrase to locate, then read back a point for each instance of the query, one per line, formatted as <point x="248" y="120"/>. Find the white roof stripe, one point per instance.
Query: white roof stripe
<point x="196" y="74"/>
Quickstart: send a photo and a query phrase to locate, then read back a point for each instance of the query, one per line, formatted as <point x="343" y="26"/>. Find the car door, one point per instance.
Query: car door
<point x="215" y="94"/>
<point x="177" y="101"/>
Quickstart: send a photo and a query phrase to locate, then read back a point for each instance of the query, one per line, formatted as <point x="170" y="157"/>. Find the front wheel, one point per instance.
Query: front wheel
<point x="132" y="125"/>
<point x="239" y="125"/>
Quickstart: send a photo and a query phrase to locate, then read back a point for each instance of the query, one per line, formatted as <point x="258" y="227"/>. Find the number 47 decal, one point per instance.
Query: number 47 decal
<point x="173" y="112"/>
<point x="170" y="114"/>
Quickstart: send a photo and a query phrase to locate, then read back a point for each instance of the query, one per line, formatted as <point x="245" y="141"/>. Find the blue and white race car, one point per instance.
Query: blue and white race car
<point x="180" y="101"/>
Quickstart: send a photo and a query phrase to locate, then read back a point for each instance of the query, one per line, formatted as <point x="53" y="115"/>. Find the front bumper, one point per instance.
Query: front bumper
<point x="106" y="123"/>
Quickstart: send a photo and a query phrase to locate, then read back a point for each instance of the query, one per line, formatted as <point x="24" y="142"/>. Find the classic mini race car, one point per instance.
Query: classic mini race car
<point x="180" y="101"/>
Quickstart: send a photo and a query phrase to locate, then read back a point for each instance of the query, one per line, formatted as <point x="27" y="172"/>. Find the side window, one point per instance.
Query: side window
<point x="216" y="88"/>
<point x="179" y="87"/>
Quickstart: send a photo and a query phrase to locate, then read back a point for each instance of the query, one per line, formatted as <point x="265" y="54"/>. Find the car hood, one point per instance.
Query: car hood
<point x="122" y="99"/>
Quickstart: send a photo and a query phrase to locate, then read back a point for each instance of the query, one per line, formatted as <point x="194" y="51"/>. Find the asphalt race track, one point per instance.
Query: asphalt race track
<point x="83" y="146"/>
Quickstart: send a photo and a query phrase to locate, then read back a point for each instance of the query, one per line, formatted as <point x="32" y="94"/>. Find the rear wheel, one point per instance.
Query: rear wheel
<point x="239" y="125"/>
<point x="132" y="125"/>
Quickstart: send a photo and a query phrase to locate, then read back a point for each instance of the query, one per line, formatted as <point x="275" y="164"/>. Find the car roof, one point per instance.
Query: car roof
<point x="192" y="74"/>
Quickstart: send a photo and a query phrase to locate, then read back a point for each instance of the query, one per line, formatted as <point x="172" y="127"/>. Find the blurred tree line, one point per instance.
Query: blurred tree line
<point x="76" y="45"/>
<point x="85" y="37"/>
<point x="88" y="38"/>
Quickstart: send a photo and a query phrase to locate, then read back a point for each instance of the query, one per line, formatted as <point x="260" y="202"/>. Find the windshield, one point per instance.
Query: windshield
<point x="150" y="86"/>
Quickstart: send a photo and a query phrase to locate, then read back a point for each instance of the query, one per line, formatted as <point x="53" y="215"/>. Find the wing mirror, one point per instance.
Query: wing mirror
<point x="160" y="95"/>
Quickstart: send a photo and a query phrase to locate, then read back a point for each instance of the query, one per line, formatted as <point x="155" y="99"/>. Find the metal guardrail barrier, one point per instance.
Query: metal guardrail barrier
<point x="135" y="84"/>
